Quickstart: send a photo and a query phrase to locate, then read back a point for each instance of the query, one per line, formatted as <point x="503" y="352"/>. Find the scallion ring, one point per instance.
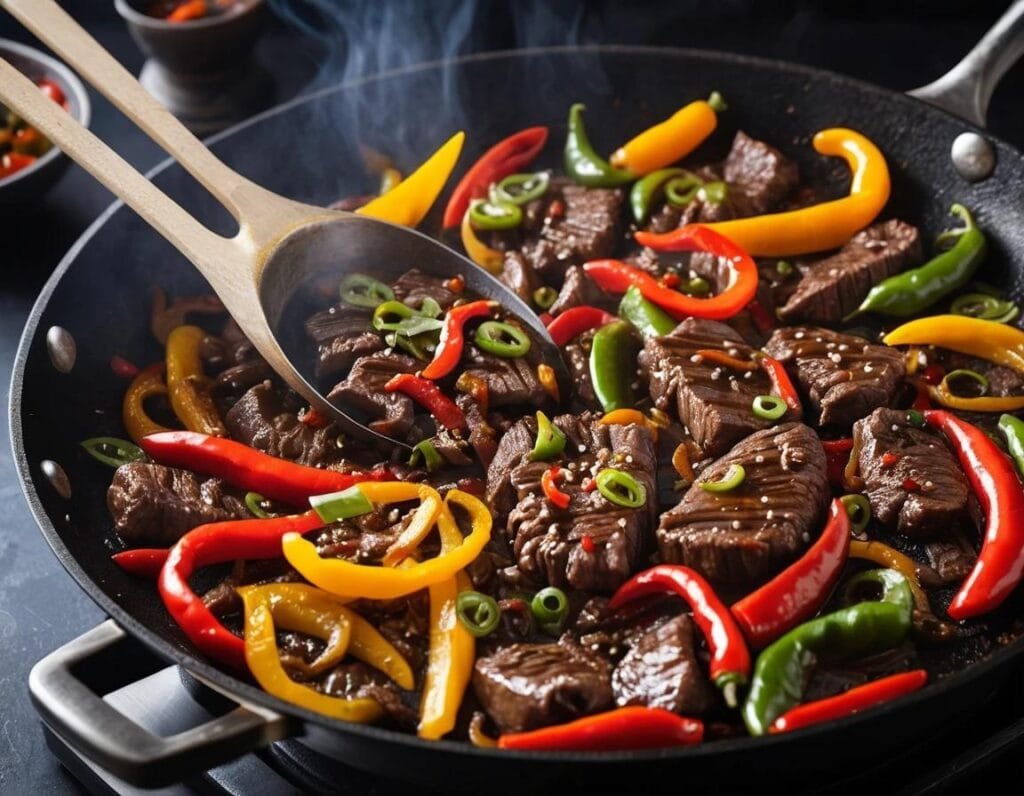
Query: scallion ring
<point x="388" y="315"/>
<point x="915" y="418"/>
<point x="502" y="339"/>
<point x="981" y="305"/>
<point x="518" y="189"/>
<point x="714" y="193"/>
<point x="254" y="502"/>
<point x="544" y="297"/>
<point x="964" y="373"/>
<point x="733" y="477"/>
<point x="550" y="607"/>
<point x="113" y="451"/>
<point x="341" y="505"/>
<point x="680" y="191"/>
<point x="621" y="488"/>
<point x="784" y="267"/>
<point x="426" y="452"/>
<point x="858" y="509"/>
<point x="494" y="215"/>
<point x="478" y="613"/>
<point x="769" y="407"/>
<point x="360" y="290"/>
<point x="550" y="440"/>
<point x="697" y="286"/>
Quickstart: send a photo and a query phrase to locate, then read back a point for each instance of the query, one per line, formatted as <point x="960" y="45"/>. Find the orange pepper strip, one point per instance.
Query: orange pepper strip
<point x="147" y="384"/>
<point x="479" y="252"/>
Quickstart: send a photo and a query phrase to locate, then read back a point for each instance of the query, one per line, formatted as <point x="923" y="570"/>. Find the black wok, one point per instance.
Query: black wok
<point x="100" y="291"/>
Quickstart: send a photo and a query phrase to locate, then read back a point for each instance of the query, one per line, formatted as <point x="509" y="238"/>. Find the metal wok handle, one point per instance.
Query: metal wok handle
<point x="106" y="736"/>
<point x="967" y="88"/>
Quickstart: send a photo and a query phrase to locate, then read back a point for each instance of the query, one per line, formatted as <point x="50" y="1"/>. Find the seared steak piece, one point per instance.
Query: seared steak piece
<point x="741" y="538"/>
<point x="579" y="289"/>
<point x="577" y="356"/>
<point x="525" y="686"/>
<point x="510" y="382"/>
<point x="519" y="275"/>
<point x="342" y="334"/>
<point x="661" y="671"/>
<point x="713" y="401"/>
<point x="357" y="680"/>
<point x="364" y="390"/>
<point x="414" y="286"/>
<point x="913" y="481"/>
<point x="844" y="376"/>
<point x="834" y="287"/>
<point x="153" y="505"/>
<point x="513" y="448"/>
<point x="760" y="175"/>
<point x="951" y="558"/>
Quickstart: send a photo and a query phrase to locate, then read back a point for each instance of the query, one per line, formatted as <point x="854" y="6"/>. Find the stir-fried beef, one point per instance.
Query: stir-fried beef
<point x="356" y="680"/>
<point x="579" y="289"/>
<point x="951" y="557"/>
<point x="413" y="286"/>
<point x="519" y="275"/>
<point x="577" y="356"/>
<point x="525" y="686"/>
<point x="510" y="382"/>
<point x="153" y="505"/>
<point x="913" y="481"/>
<point x="834" y="287"/>
<point x="712" y="400"/>
<point x="342" y="334"/>
<point x="758" y="173"/>
<point x="513" y="448"/>
<point x="844" y="376"/>
<point x="364" y="390"/>
<point x="740" y="538"/>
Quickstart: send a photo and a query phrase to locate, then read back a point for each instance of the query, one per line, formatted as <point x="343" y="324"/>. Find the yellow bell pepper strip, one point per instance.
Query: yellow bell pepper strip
<point x="147" y="384"/>
<point x="822" y="226"/>
<point x="670" y="140"/>
<point x="187" y="385"/>
<point x="387" y="583"/>
<point x="996" y="342"/>
<point x="986" y="403"/>
<point x="419" y="526"/>
<point x="479" y="252"/>
<point x="409" y="201"/>
<point x="628" y="417"/>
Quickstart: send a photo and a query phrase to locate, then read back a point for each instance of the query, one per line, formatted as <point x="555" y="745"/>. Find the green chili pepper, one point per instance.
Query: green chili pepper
<point x="984" y="306"/>
<point x="915" y="418"/>
<point x="426" y="452"/>
<point x="341" y="505"/>
<point x="582" y="163"/>
<point x="502" y="339"/>
<point x="254" y="502"/>
<point x="964" y="373"/>
<point x="478" y="613"/>
<point x="360" y="290"/>
<point x="613" y="365"/>
<point x="680" y="191"/>
<point x="769" y="407"/>
<point x="648" y="318"/>
<point x="734" y="476"/>
<point x="421" y="346"/>
<point x="494" y="215"/>
<point x="550" y="607"/>
<point x="544" y="297"/>
<point x="1013" y="429"/>
<point x="388" y="316"/>
<point x="113" y="450"/>
<point x="520" y="189"/>
<point x="784" y="267"/>
<point x="782" y="669"/>
<point x="915" y="290"/>
<point x="646" y="189"/>
<point x="621" y="488"/>
<point x="715" y="192"/>
<point x="858" y="509"/>
<point x="696" y="286"/>
<point x="550" y="440"/>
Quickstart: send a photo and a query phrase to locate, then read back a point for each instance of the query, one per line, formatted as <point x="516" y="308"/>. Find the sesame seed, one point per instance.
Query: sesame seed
<point x="769" y="515"/>
<point x="837" y="358"/>
<point x="799" y="335"/>
<point x="621" y="522"/>
<point x="764" y="498"/>
<point x="735" y="525"/>
<point x="759" y="458"/>
<point x="806" y="537"/>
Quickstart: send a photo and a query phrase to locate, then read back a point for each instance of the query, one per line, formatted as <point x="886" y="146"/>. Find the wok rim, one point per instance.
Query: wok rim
<point x="245" y="692"/>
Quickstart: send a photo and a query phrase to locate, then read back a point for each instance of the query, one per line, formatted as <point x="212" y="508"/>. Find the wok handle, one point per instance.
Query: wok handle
<point x="966" y="89"/>
<point x="80" y="716"/>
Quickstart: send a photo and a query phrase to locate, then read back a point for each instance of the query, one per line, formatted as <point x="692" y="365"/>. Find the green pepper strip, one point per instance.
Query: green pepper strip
<point x="113" y="451"/>
<point x="502" y="339"/>
<point x="863" y="629"/>
<point x="426" y="451"/>
<point x="648" y="318"/>
<point x="494" y="215"/>
<point x="385" y="314"/>
<point x="550" y="607"/>
<point x="550" y="440"/>
<point x="478" y="613"/>
<point x="1013" y="429"/>
<point x="680" y="191"/>
<point x="520" y="189"/>
<point x="341" y="505"/>
<point x="621" y="488"/>
<point x="613" y="355"/>
<point x="254" y="502"/>
<point x="646" y="189"/>
<point x="582" y="163"/>
<point x="360" y="290"/>
<point x="913" y="291"/>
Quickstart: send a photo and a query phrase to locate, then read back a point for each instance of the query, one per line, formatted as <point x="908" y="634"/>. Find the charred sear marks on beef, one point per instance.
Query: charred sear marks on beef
<point x="363" y="390"/>
<point x="414" y="286"/>
<point x="758" y="175"/>
<point x="510" y="382"/>
<point x="834" y="287"/>
<point x="741" y="538"/>
<point x="913" y="481"/>
<point x="342" y="334"/>
<point x="844" y="376"/>
<point x="578" y="290"/>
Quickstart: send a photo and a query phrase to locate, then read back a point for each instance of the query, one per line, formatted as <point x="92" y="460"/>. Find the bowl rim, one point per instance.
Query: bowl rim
<point x="133" y="16"/>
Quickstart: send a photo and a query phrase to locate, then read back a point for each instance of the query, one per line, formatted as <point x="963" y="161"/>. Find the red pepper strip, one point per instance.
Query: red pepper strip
<point x="782" y="384"/>
<point x="922" y="401"/>
<point x="853" y="701"/>
<point x="248" y="468"/>
<point x="993" y="477"/>
<point x="214" y="544"/>
<point x="730" y="659"/>
<point x="449" y="348"/>
<point x="504" y="158"/>
<point x="795" y="594"/>
<point x="429" y="396"/>
<point x="554" y="495"/>
<point x="143" y="562"/>
<point x="837" y="456"/>
<point x="737" y="294"/>
<point x="577" y="320"/>
<point x="762" y="319"/>
<point x="623" y="728"/>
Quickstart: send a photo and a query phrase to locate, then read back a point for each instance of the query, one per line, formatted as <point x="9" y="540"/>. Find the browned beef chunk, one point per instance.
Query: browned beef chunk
<point x="951" y="557"/>
<point x="577" y="357"/>
<point x="342" y="334"/>
<point x="519" y="275"/>
<point x="759" y="176"/>
<point x="413" y="286"/>
<point x="482" y="436"/>
<point x="711" y="400"/>
<point x="579" y="289"/>
<point x="510" y="382"/>
<point x="156" y="505"/>
<point x="741" y="538"/>
<point x="364" y="390"/>
<point x="525" y="686"/>
<point x="844" y="376"/>
<point x="513" y="447"/>
<point x="661" y="670"/>
<point x="357" y="680"/>
<point x="834" y="287"/>
<point x="241" y="377"/>
<point x="940" y="500"/>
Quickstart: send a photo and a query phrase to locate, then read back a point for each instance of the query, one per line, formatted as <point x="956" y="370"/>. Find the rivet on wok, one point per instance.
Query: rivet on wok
<point x="974" y="158"/>
<point x="58" y="479"/>
<point x="61" y="347"/>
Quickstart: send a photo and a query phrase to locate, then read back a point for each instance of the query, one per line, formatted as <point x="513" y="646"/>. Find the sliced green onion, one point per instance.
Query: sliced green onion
<point x="717" y="103"/>
<point x="680" y="191"/>
<point x="981" y="305"/>
<point x="769" y="407"/>
<point x="494" y="215"/>
<point x="422" y="346"/>
<point x="388" y="315"/>
<point x="360" y="290"/>
<point x="518" y="189"/>
<point x="254" y="502"/>
<point x="915" y="418"/>
<point x="544" y="297"/>
<point x="715" y="192"/>
<point x="478" y="613"/>
<point x="502" y="339"/>
<point x="1010" y="315"/>
<point x="550" y="440"/>
<point x="621" y="488"/>
<point x="733" y="477"/>
<point x="341" y="505"/>
<point x="411" y="327"/>
<point x="964" y="373"/>
<point x="550" y="607"/>
<point x="697" y="286"/>
<point x="113" y="451"/>
<point x="784" y="267"/>
<point x="858" y="509"/>
<point x="426" y="452"/>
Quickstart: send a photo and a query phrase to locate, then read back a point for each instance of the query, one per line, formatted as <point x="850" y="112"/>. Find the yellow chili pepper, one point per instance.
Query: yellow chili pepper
<point x="479" y="252"/>
<point x="996" y="342"/>
<point x="148" y="383"/>
<point x="822" y="226"/>
<point x="889" y="557"/>
<point x="549" y="381"/>
<point x="387" y="583"/>
<point x="985" y="403"/>
<point x="668" y="141"/>
<point x="419" y="526"/>
<point x="187" y="385"/>
<point x="408" y="202"/>
<point x="626" y="417"/>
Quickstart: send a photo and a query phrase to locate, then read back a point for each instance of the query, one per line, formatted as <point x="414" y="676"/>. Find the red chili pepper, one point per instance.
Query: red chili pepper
<point x="545" y="318"/>
<point x="837" y="455"/>
<point x="922" y="401"/>
<point x="933" y="374"/>
<point x="762" y="319"/>
<point x="556" y="210"/>
<point x="889" y="459"/>
<point x="730" y="659"/>
<point x="587" y="543"/>
<point x="795" y="594"/>
<point x="429" y="396"/>
<point x="215" y="544"/>
<point x="1000" y="565"/>
<point x="123" y="368"/>
<point x="52" y="90"/>
<point x="577" y="320"/>
<point x="312" y="418"/>
<point x="670" y="279"/>
<point x="623" y="728"/>
<point x="248" y="468"/>
<point x="449" y="348"/>
<point x="508" y="156"/>
<point x="911" y="485"/>
<point x="13" y="162"/>
<point x="455" y="284"/>
<point x="853" y="701"/>
<point x="143" y="562"/>
<point x="590" y="485"/>
<point x="554" y="495"/>
<point x="782" y="384"/>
